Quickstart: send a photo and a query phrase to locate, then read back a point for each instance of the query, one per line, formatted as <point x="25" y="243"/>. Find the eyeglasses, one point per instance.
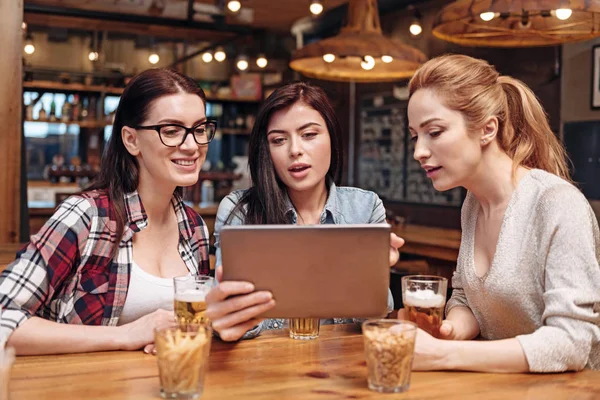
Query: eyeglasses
<point x="173" y="135"/>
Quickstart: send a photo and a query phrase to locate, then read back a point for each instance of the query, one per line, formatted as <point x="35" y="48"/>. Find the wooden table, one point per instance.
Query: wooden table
<point x="431" y="242"/>
<point x="276" y="367"/>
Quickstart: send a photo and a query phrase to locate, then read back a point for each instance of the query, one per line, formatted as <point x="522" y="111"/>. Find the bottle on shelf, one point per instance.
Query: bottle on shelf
<point x="52" y="116"/>
<point x="29" y="111"/>
<point x="92" y="109"/>
<point x="65" y="114"/>
<point x="75" y="109"/>
<point x="43" y="115"/>
<point x="83" y="116"/>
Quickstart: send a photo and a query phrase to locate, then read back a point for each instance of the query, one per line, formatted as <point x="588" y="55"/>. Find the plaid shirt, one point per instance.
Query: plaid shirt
<point x="67" y="274"/>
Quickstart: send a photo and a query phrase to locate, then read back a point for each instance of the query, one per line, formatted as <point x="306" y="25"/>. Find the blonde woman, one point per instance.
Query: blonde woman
<point x="527" y="278"/>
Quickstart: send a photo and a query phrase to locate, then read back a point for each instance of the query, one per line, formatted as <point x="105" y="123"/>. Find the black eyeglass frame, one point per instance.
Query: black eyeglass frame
<point x="157" y="129"/>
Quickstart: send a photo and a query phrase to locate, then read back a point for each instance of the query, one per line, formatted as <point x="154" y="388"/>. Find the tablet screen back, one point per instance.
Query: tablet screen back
<point x="319" y="271"/>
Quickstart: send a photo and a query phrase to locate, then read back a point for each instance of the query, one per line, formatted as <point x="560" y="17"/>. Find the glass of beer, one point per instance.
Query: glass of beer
<point x="190" y="298"/>
<point x="389" y="350"/>
<point x="304" y="328"/>
<point x="424" y="298"/>
<point x="182" y="354"/>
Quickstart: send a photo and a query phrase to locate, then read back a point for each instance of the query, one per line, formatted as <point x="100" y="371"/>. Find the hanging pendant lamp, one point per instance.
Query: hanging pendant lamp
<point x="359" y="53"/>
<point x="518" y="23"/>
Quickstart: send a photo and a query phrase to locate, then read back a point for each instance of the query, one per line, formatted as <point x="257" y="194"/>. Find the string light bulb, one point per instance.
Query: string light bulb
<point x="316" y="7"/>
<point x="93" y="56"/>
<point x="563" y="13"/>
<point x="387" y="59"/>
<point x="368" y="63"/>
<point x="262" y="61"/>
<point x="328" y="58"/>
<point x="234" y="5"/>
<point x="220" y="55"/>
<point x="242" y="63"/>
<point x="487" y="16"/>
<point x="415" y="28"/>
<point x="153" y="58"/>
<point x="29" y="46"/>
<point x="207" y="57"/>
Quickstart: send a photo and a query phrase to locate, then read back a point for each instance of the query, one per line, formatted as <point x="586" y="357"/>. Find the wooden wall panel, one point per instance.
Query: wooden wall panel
<point x="11" y="48"/>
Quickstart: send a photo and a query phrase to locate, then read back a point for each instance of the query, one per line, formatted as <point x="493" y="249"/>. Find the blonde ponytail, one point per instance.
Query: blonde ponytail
<point x="527" y="137"/>
<point x="474" y="88"/>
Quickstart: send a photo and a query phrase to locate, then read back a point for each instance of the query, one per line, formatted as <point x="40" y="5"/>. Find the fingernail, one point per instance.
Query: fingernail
<point x="154" y="351"/>
<point x="266" y="296"/>
<point x="249" y="287"/>
<point x="146" y="351"/>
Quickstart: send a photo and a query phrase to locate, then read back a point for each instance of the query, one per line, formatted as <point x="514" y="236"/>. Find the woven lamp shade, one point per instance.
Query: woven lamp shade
<point x="517" y="23"/>
<point x="359" y="38"/>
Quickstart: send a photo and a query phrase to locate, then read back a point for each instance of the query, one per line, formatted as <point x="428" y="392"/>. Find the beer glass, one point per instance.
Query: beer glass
<point x="7" y="358"/>
<point x="182" y="354"/>
<point x="424" y="298"/>
<point x="304" y="328"/>
<point x="389" y="350"/>
<point x="190" y="298"/>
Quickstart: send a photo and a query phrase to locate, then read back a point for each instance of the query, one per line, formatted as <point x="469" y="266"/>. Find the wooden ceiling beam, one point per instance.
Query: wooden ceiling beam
<point x="154" y="30"/>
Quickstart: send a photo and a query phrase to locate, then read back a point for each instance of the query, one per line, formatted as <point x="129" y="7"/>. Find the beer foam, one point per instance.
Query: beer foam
<point x="423" y="298"/>
<point x="190" y="296"/>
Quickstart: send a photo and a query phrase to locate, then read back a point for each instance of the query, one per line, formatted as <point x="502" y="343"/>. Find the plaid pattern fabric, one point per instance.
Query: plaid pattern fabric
<point x="66" y="273"/>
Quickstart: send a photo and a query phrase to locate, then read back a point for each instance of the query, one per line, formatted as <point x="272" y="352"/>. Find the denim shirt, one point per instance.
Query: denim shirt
<point x="345" y="205"/>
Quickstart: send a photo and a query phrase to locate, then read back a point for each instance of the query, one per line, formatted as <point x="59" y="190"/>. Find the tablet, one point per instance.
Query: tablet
<point x="313" y="271"/>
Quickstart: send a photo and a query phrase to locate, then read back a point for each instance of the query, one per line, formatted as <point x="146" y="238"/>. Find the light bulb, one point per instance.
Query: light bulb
<point x="329" y="58"/>
<point x="24" y="25"/>
<point x="207" y="57"/>
<point x="154" y="58"/>
<point x="29" y="48"/>
<point x="93" y="56"/>
<point x="415" y="29"/>
<point x="234" y="5"/>
<point x="368" y="63"/>
<point x="261" y="62"/>
<point x="242" y="64"/>
<point x="316" y="7"/>
<point x="563" y="13"/>
<point x="220" y="55"/>
<point x="387" y="59"/>
<point x="487" y="16"/>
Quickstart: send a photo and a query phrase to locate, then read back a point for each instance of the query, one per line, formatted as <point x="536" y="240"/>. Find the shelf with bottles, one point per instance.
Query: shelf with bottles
<point x="81" y="124"/>
<point x="70" y="87"/>
<point x="63" y="108"/>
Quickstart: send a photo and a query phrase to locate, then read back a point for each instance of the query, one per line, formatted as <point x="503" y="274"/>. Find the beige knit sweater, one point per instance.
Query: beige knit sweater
<point x="543" y="286"/>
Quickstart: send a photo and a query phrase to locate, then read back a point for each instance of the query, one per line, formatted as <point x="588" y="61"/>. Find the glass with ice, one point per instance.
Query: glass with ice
<point x="424" y="298"/>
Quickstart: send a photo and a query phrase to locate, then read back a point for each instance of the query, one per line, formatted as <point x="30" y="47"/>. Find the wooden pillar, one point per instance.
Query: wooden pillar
<point x="11" y="99"/>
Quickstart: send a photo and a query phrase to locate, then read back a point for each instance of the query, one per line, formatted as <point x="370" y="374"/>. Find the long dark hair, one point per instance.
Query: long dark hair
<point x="266" y="199"/>
<point x="119" y="171"/>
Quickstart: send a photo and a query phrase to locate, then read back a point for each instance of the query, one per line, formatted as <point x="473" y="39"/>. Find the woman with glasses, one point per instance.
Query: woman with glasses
<point x="98" y="275"/>
<point x="295" y="160"/>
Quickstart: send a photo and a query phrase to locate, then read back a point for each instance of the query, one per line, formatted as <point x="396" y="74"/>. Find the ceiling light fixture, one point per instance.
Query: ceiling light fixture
<point x="343" y="57"/>
<point x="517" y="23"/>
<point x="29" y="47"/>
<point x="242" y="63"/>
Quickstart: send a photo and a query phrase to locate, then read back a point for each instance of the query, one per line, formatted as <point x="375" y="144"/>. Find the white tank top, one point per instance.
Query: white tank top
<point x="146" y="294"/>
